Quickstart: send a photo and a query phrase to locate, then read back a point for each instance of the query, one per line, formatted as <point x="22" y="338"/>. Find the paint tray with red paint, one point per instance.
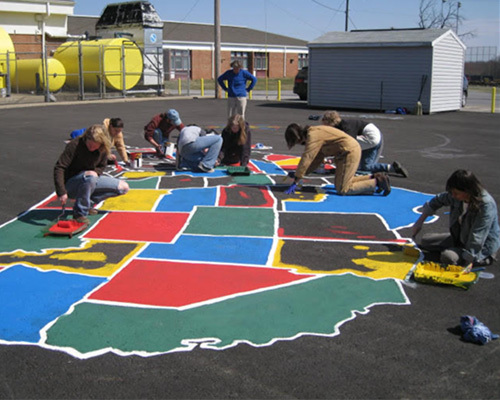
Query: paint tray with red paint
<point x="65" y="227"/>
<point x="68" y="228"/>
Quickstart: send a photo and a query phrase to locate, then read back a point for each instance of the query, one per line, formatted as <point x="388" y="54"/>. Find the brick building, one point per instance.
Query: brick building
<point x="188" y="48"/>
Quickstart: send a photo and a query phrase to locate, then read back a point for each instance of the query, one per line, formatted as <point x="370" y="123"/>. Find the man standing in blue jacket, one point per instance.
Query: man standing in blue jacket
<point x="236" y="88"/>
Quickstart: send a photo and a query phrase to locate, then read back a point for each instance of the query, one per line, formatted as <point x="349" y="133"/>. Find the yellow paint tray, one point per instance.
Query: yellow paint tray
<point x="436" y="273"/>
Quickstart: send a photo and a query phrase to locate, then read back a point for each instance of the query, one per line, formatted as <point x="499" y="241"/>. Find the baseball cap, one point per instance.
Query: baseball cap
<point x="173" y="116"/>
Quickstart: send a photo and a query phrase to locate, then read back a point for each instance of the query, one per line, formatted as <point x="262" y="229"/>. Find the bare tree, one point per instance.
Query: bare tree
<point x="442" y="14"/>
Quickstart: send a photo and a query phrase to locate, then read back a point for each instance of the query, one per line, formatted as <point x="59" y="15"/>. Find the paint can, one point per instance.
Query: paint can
<point x="136" y="160"/>
<point x="169" y="149"/>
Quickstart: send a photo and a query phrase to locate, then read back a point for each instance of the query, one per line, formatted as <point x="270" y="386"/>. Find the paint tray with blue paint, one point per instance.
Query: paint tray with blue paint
<point x="238" y="170"/>
<point x="444" y="274"/>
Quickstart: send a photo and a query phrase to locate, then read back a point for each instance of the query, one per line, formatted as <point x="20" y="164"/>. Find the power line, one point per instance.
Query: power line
<point x="325" y="6"/>
<point x="296" y="17"/>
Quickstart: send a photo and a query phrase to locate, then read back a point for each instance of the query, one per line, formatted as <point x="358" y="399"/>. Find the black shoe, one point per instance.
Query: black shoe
<point x="203" y="168"/>
<point x="399" y="169"/>
<point x="383" y="183"/>
<point x="485" y="262"/>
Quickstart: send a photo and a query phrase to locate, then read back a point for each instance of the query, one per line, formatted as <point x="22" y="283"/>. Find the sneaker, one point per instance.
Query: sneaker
<point x="93" y="211"/>
<point x="484" y="262"/>
<point x="81" y="219"/>
<point x="399" y="169"/>
<point x="205" y="169"/>
<point x="383" y="183"/>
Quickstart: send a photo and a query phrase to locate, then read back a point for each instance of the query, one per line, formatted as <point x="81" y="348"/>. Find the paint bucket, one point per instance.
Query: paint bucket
<point x="169" y="149"/>
<point x="136" y="160"/>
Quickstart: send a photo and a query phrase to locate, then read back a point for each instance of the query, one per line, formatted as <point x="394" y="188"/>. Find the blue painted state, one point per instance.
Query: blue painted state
<point x="30" y="299"/>
<point x="246" y="250"/>
<point x="396" y="209"/>
<point x="184" y="200"/>
<point x="216" y="174"/>
<point x="269" y="168"/>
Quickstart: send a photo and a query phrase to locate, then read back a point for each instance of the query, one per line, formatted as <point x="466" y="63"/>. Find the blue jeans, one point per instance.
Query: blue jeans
<point x="369" y="160"/>
<point x="158" y="137"/>
<point x="193" y="153"/>
<point x="88" y="190"/>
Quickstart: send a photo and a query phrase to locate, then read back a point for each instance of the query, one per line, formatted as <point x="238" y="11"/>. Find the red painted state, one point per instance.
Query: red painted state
<point x="265" y="201"/>
<point x="177" y="284"/>
<point x="139" y="226"/>
<point x="279" y="157"/>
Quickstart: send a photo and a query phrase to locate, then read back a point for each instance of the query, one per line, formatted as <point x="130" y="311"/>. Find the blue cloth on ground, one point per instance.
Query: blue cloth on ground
<point x="475" y="331"/>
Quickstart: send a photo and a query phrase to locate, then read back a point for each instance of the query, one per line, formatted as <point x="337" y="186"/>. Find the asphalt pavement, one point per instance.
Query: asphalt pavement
<point x="408" y="352"/>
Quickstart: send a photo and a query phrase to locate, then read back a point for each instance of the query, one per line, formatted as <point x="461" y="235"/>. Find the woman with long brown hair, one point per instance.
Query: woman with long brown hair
<point x="78" y="173"/>
<point x="237" y="142"/>
<point x="474" y="236"/>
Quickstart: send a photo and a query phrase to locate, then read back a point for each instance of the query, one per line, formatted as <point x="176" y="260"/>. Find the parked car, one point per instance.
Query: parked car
<point x="300" y="83"/>
<point x="465" y="91"/>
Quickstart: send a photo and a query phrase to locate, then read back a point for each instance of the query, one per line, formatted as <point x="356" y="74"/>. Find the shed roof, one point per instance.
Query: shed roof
<point x="391" y="37"/>
<point x="194" y="32"/>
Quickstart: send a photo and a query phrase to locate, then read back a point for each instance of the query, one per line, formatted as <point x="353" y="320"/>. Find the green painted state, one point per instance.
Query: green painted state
<point x="314" y="306"/>
<point x="148" y="183"/>
<point x="232" y="221"/>
<point x="252" y="179"/>
<point x="27" y="232"/>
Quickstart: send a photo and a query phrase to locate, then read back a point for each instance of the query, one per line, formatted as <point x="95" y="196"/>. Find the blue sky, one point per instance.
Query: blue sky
<point x="309" y="19"/>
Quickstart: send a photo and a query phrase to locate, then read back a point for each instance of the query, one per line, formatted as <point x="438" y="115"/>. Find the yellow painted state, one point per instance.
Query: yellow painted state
<point x="75" y="254"/>
<point x="134" y="200"/>
<point x="288" y="161"/>
<point x="382" y="265"/>
<point x="87" y="256"/>
<point x="140" y="175"/>
<point x="303" y="198"/>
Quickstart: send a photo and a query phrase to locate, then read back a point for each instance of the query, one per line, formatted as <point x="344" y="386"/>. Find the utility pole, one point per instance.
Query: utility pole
<point x="217" y="45"/>
<point x="347" y="16"/>
<point x="458" y="8"/>
<point x="442" y="15"/>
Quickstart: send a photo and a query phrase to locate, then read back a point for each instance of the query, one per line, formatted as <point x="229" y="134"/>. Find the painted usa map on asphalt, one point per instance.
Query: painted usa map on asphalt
<point x="188" y="260"/>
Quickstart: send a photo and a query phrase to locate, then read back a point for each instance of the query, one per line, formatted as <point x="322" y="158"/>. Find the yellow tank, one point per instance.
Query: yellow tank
<point x="102" y="58"/>
<point x="25" y="75"/>
<point x="6" y="45"/>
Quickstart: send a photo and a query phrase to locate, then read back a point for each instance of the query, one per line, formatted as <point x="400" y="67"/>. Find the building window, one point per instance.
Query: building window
<point x="303" y="60"/>
<point x="179" y="60"/>
<point x="260" y="61"/>
<point x="241" y="57"/>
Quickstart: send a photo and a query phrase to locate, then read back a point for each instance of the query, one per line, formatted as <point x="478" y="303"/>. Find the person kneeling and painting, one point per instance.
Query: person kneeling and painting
<point x="474" y="236"/>
<point x="78" y="173"/>
<point x="325" y="141"/>
<point x="236" y="142"/>
<point x="198" y="150"/>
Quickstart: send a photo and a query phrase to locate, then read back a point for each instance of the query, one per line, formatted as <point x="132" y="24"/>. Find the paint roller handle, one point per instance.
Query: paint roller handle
<point x="468" y="268"/>
<point x="63" y="199"/>
<point x="417" y="226"/>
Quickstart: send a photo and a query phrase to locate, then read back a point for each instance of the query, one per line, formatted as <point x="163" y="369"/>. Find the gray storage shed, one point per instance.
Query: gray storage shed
<point x="386" y="69"/>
